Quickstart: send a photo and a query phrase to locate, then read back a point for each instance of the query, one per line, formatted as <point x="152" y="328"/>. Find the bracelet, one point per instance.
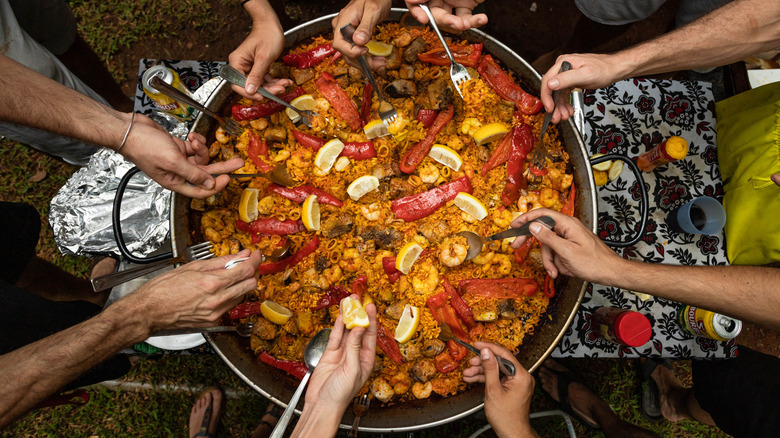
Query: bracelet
<point x="127" y="133"/>
<point x="244" y="2"/>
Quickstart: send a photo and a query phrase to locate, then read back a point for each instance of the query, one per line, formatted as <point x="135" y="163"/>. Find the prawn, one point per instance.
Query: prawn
<point x="532" y="199"/>
<point x="428" y="172"/>
<point x="453" y="251"/>
<point x="548" y="197"/>
<point x="502" y="217"/>
<point x="371" y="212"/>
<point x="221" y="136"/>
<point x="422" y="390"/>
<point x="429" y="280"/>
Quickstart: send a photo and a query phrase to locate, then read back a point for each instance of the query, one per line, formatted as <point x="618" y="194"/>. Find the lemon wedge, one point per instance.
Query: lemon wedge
<point x="471" y="205"/>
<point x="642" y="296"/>
<point x="328" y="154"/>
<point x="310" y="213"/>
<point x="353" y="314"/>
<point x="600" y="177"/>
<point x="377" y="48"/>
<point x="490" y="132"/>
<point x="446" y="156"/>
<point x="274" y="312"/>
<point x="247" y="205"/>
<point x="375" y="128"/>
<point x="407" y="325"/>
<point x="407" y="256"/>
<point x="361" y="186"/>
<point x="604" y="167"/>
<point x="615" y="170"/>
<point x="303" y="102"/>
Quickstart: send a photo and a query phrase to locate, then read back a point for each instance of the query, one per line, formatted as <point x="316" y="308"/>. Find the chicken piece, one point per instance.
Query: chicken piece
<point x="383" y="171"/>
<point x="302" y="75"/>
<point x="440" y="93"/>
<point x="399" y="187"/>
<point x="432" y="347"/>
<point x="395" y="310"/>
<point x="264" y="329"/>
<point x="275" y="134"/>
<point x="278" y="70"/>
<point x="412" y="50"/>
<point x="335" y="226"/>
<point x="339" y="70"/>
<point x="381" y="390"/>
<point x="434" y="231"/>
<point x="305" y="323"/>
<point x="406" y="72"/>
<point x="506" y="308"/>
<point x="423" y="370"/>
<point x="401" y="88"/>
<point x="355" y="73"/>
<point x="393" y="61"/>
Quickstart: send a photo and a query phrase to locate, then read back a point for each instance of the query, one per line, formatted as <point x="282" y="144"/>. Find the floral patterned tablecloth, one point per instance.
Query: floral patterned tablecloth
<point x="629" y="118"/>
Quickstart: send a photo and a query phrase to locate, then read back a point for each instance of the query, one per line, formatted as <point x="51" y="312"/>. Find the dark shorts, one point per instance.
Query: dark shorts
<point x="741" y="394"/>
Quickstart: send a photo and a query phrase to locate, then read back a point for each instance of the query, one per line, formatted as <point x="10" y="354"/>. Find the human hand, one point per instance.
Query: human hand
<point x="364" y="15"/>
<point x="570" y="248"/>
<point x="587" y="71"/>
<point x="346" y="364"/>
<point x="453" y="16"/>
<point x="507" y="401"/>
<point x="173" y="163"/>
<point x="196" y="294"/>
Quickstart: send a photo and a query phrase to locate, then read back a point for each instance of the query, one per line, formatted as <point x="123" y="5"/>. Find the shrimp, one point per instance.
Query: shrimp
<point x="282" y="155"/>
<point x="221" y="136"/>
<point x="422" y="390"/>
<point x="312" y="278"/>
<point x="371" y="212"/>
<point x="381" y="390"/>
<point x="401" y="383"/>
<point x="502" y="217"/>
<point x="452" y="251"/>
<point x="548" y="197"/>
<point x="212" y="235"/>
<point x="532" y="199"/>
<point x="468" y="218"/>
<point x="219" y="218"/>
<point x="266" y="205"/>
<point x="429" y="173"/>
<point x="350" y="260"/>
<point x="429" y="280"/>
<point x="566" y="181"/>
<point x="301" y="158"/>
<point x="214" y="149"/>
<point x="484" y="258"/>
<point x="504" y="263"/>
<point x="332" y="274"/>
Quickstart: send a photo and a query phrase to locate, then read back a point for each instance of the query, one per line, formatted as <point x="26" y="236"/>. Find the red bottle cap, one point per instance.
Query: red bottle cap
<point x="633" y="329"/>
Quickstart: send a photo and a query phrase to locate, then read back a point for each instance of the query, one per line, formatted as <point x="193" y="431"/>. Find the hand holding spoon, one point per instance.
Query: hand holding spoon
<point x="475" y="241"/>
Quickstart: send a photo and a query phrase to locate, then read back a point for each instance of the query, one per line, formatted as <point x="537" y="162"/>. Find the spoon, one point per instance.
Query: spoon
<point x="311" y="357"/>
<point x="475" y="241"/>
<point x="244" y="329"/>
<point x="504" y="366"/>
<point x="278" y="174"/>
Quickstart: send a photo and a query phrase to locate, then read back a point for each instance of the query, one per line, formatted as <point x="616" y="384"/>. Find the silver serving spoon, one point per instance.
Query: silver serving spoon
<point x="475" y="241"/>
<point x="244" y="329"/>
<point x="311" y="357"/>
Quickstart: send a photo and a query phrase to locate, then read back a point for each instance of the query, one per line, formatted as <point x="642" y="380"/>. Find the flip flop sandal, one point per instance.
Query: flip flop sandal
<point x="565" y="378"/>
<point x="649" y="396"/>
<point x="203" y="432"/>
<point x="270" y="418"/>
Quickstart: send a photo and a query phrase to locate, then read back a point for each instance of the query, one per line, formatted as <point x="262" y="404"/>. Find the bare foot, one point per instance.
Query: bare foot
<point x="673" y="394"/>
<point x="583" y="401"/>
<point x="201" y="413"/>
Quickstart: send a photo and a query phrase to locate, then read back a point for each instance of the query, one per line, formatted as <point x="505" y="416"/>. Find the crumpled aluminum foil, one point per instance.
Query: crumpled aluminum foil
<point x="80" y="213"/>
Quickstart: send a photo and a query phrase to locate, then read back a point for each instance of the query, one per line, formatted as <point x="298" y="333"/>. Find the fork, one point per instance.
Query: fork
<point x="386" y="111"/>
<point x="359" y="407"/>
<point x="504" y="365"/>
<point x="201" y="251"/>
<point x="234" y="76"/>
<point x="458" y="72"/>
<point x="540" y="152"/>
<point x="228" y="125"/>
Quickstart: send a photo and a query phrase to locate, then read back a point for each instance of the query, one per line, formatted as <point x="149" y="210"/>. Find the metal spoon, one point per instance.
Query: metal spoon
<point x="311" y="357"/>
<point x="475" y="241"/>
<point x="243" y="329"/>
<point x="505" y="366"/>
<point x="278" y="174"/>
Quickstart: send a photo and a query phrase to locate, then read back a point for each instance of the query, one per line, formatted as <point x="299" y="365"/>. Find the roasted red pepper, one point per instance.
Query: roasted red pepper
<point x="300" y="193"/>
<point x="457" y="351"/>
<point x="357" y="150"/>
<point x="522" y="253"/>
<point x="335" y="58"/>
<point x="310" y="57"/>
<point x="568" y="207"/>
<point x="281" y="265"/>
<point x="413" y="207"/>
<point x="444" y="362"/>
<point x="307" y="140"/>
<point x="499" y="287"/>
<point x="537" y="172"/>
<point x="500" y="154"/>
<point x="330" y="89"/>
<point x="265" y="109"/>
<point x="466" y="55"/>
<point x="365" y="109"/>
<point x="257" y="150"/>
<point x="549" y="286"/>
<point x="331" y="297"/>
<point x="386" y="342"/>
<point x="388" y="263"/>
<point x="426" y="116"/>
<point x="271" y="226"/>
<point x="444" y="313"/>
<point x="297" y="369"/>
<point x="360" y="286"/>
<point x="522" y="144"/>
<point x="415" y="154"/>
<point x="461" y="308"/>
<point x="245" y="309"/>
<point x="505" y="87"/>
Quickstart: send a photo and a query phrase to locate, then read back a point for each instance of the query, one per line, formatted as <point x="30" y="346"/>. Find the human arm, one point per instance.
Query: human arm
<point x="745" y="292"/>
<point x="507" y="401"/>
<point x="451" y="15"/>
<point x="195" y="295"/>
<point x="31" y="99"/>
<point x="258" y="50"/>
<point x="343" y="369"/>
<point x="728" y="34"/>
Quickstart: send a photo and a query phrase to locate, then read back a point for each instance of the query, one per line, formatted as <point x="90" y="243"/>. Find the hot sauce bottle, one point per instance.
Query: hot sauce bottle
<point x="672" y="149"/>
<point x="625" y="327"/>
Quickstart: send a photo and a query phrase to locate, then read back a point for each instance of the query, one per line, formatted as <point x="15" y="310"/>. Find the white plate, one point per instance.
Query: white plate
<point x="177" y="342"/>
<point x="758" y="78"/>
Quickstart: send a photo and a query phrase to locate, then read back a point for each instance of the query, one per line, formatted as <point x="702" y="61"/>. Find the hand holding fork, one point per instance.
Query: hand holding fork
<point x="359" y="408"/>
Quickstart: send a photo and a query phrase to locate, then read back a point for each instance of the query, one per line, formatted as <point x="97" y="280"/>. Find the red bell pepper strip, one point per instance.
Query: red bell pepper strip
<point x="413" y="207"/>
<point x="300" y="193"/>
<point x="388" y="263"/>
<point x="505" y="87"/>
<point x="331" y="297"/>
<point x="549" y="286"/>
<point x="444" y="362"/>
<point x="307" y="140"/>
<point x="244" y="310"/>
<point x="386" y="342"/>
<point x="357" y="150"/>
<point x="522" y="253"/>
<point x="330" y="89"/>
<point x="335" y="58"/>
<point x="444" y="313"/>
<point x="415" y="154"/>
<point x="265" y="109"/>
<point x="499" y="287"/>
<point x="537" y="172"/>
<point x="461" y="308"/>
<point x="457" y="351"/>
<point x="426" y="116"/>
<point x="309" y="58"/>
<point x="365" y="109"/>
<point x="281" y="265"/>
<point x="297" y="369"/>
<point x="360" y="286"/>
<point x="568" y="207"/>
<point x="522" y="144"/>
<point x="257" y="150"/>
<point x="500" y="154"/>
<point x="466" y="55"/>
<point x="270" y="226"/>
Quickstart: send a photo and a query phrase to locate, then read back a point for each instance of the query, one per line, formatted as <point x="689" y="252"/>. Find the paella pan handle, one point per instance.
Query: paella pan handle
<point x="120" y="240"/>
<point x="643" y="202"/>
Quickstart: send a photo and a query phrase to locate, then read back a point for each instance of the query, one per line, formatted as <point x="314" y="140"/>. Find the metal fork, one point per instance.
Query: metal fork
<point x="386" y="111"/>
<point x="458" y="72"/>
<point x="540" y="152"/>
<point x="201" y="251"/>
<point x="228" y="125"/>
<point x="234" y="76"/>
<point x="359" y="407"/>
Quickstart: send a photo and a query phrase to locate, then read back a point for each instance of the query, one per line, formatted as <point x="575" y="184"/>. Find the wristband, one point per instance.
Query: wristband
<point x="127" y="133"/>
